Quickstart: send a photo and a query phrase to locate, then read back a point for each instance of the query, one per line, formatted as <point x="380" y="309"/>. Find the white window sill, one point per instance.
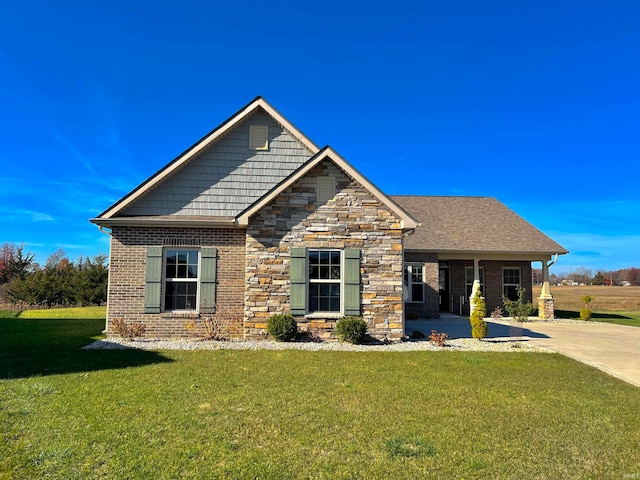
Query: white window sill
<point x="180" y="314"/>
<point x="324" y="315"/>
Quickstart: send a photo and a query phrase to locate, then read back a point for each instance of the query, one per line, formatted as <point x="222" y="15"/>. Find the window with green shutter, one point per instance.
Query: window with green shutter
<point x="325" y="281"/>
<point x="179" y="279"/>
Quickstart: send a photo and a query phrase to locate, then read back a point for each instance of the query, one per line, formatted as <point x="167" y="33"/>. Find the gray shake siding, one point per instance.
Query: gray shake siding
<point x="227" y="177"/>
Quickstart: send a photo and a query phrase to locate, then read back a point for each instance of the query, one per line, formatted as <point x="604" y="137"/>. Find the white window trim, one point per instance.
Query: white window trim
<point x="165" y="280"/>
<point x="517" y="285"/>
<point x="257" y="132"/>
<point x="409" y="270"/>
<point x="321" y="313"/>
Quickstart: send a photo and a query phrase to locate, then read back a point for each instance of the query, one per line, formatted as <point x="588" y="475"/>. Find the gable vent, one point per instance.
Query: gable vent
<point x="326" y="189"/>
<point x="259" y="137"/>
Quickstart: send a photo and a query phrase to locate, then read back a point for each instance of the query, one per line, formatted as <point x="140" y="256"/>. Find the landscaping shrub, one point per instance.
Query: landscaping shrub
<point x="212" y="326"/>
<point x="282" y="327"/>
<point x="418" y="335"/>
<point x="127" y="332"/>
<point x="438" y="339"/>
<point x="497" y="313"/>
<point x="585" y="314"/>
<point x="351" y="329"/>
<point x="479" y="328"/>
<point x="518" y="309"/>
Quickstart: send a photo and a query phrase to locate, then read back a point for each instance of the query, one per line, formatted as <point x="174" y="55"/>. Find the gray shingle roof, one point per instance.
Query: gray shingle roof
<point x="472" y="224"/>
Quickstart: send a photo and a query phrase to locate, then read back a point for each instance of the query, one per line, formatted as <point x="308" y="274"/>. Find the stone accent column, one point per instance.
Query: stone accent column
<point x="546" y="302"/>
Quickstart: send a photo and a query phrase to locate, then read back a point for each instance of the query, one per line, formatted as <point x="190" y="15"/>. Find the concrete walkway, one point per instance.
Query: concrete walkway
<point x="614" y="349"/>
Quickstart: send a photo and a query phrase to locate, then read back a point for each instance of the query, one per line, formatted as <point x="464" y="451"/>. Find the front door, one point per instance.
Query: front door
<point x="443" y="288"/>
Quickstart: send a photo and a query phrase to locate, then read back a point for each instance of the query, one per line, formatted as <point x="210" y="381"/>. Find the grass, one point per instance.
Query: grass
<point x="605" y="299"/>
<point x="619" y="305"/>
<point x="71" y="413"/>
<point x="67" y="313"/>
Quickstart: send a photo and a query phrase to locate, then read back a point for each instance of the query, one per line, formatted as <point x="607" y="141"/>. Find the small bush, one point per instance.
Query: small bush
<point x="497" y="313"/>
<point x="351" y="329"/>
<point x="282" y="327"/>
<point x="127" y="332"/>
<point x="438" y="339"/>
<point x="479" y="330"/>
<point x="213" y="326"/>
<point x="417" y="334"/>
<point x="479" y="327"/>
<point x="518" y="309"/>
<point x="585" y="314"/>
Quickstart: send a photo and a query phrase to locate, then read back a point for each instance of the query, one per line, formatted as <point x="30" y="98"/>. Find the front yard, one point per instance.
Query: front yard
<point x="71" y="413"/>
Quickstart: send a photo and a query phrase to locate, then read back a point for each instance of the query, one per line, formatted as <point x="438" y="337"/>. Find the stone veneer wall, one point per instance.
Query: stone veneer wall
<point x="430" y="308"/>
<point x="492" y="279"/>
<point x="353" y="218"/>
<point x="127" y="276"/>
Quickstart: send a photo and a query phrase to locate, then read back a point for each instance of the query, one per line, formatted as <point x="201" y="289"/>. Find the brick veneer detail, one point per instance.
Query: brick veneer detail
<point x="127" y="277"/>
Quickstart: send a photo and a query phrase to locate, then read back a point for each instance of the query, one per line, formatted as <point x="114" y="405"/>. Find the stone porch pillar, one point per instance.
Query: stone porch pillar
<point x="545" y="300"/>
<point x="476" y="284"/>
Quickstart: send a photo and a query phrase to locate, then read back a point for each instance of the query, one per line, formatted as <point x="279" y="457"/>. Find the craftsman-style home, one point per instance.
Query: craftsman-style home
<point x="256" y="219"/>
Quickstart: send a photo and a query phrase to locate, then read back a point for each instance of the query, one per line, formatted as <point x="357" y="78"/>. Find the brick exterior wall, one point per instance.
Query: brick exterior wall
<point x="353" y="219"/>
<point x="493" y="283"/>
<point x="430" y="308"/>
<point x="127" y="277"/>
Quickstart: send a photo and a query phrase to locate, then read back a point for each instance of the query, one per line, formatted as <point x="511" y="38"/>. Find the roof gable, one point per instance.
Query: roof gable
<point x="151" y="206"/>
<point x="327" y="153"/>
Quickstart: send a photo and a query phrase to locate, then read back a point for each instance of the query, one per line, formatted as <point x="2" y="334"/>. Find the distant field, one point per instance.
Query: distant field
<point x="605" y="299"/>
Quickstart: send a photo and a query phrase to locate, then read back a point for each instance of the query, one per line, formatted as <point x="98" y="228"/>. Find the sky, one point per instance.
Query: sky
<point x="534" y="103"/>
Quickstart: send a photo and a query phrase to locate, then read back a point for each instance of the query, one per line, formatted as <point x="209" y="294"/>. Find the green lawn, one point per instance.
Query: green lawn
<point x="71" y="413"/>
<point x="621" y="318"/>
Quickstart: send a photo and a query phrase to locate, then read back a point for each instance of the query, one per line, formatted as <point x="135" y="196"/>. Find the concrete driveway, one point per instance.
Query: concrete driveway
<point x="614" y="349"/>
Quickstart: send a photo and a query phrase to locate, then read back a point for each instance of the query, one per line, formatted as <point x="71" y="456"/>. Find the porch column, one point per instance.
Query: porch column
<point x="476" y="284"/>
<point x="545" y="300"/>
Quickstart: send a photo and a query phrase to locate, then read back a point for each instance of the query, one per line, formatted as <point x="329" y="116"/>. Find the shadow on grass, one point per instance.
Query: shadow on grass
<point x="54" y="346"/>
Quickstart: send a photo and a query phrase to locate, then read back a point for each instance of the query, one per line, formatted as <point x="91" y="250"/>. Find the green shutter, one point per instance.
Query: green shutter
<point x="298" y="293"/>
<point x="208" y="280"/>
<point x="153" y="280"/>
<point x="352" y="281"/>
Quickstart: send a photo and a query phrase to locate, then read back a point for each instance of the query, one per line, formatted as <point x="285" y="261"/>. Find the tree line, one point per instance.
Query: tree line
<point x="583" y="275"/>
<point x="59" y="281"/>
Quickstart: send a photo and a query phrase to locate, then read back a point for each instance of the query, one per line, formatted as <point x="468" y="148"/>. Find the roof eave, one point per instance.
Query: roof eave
<point x="164" y="222"/>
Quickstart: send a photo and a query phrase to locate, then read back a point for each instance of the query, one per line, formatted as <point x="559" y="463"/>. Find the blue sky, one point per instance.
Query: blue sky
<point x="534" y="103"/>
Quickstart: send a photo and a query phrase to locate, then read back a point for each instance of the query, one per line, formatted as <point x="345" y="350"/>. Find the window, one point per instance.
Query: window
<point x="181" y="280"/>
<point x="469" y="280"/>
<point x="324" y="280"/>
<point x="510" y="282"/>
<point x="414" y="283"/>
<point x="258" y="137"/>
